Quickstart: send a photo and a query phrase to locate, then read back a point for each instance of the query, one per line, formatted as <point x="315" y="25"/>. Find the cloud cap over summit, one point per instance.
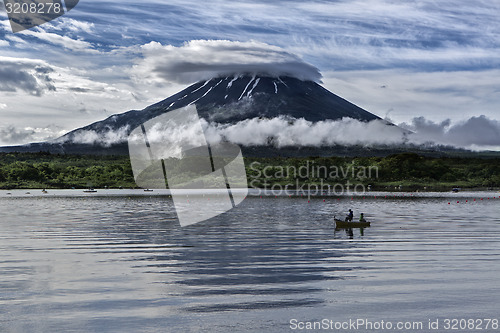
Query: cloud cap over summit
<point x="205" y="59"/>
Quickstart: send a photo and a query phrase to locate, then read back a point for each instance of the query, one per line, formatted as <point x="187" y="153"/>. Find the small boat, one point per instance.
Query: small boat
<point x="339" y="224"/>
<point x="90" y="190"/>
<point x="148" y="190"/>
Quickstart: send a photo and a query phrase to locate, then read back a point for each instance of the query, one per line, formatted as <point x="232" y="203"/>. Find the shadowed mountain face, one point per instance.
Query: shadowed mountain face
<point x="222" y="100"/>
<point x="230" y="99"/>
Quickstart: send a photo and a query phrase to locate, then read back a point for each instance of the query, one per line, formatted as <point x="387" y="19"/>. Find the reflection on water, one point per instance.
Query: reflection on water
<point x="123" y="264"/>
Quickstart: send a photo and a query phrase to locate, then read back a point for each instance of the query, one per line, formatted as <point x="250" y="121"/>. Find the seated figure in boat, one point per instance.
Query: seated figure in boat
<point x="362" y="218"/>
<point x="349" y="216"/>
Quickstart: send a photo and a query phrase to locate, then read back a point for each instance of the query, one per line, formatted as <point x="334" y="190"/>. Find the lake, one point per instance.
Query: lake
<point x="120" y="262"/>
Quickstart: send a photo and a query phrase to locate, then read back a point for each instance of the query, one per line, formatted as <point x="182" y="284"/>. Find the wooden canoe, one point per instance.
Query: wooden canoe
<point x="345" y="225"/>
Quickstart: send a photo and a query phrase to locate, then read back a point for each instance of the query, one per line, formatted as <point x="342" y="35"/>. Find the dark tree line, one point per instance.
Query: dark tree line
<point x="39" y="170"/>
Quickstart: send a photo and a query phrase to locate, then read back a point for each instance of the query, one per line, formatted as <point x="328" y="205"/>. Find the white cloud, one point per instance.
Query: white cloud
<point x="71" y="25"/>
<point x="31" y="76"/>
<point x="104" y="138"/>
<point x="11" y="135"/>
<point x="16" y="40"/>
<point x="4" y="24"/>
<point x="59" y="40"/>
<point x="476" y="133"/>
<point x="473" y="133"/>
<point x="444" y="35"/>
<point x="37" y="77"/>
<point x="404" y="94"/>
<point x="32" y="91"/>
<point x="203" y="59"/>
<point x="284" y="132"/>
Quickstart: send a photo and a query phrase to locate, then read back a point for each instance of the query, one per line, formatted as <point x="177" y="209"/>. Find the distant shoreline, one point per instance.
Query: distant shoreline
<point x="252" y="191"/>
<point x="408" y="172"/>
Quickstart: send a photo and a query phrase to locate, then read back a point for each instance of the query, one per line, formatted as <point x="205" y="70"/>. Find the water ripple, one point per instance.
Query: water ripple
<point x="119" y="264"/>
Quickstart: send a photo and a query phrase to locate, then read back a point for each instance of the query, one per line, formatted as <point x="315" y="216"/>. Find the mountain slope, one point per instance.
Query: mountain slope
<point x="222" y="100"/>
<point x="230" y="99"/>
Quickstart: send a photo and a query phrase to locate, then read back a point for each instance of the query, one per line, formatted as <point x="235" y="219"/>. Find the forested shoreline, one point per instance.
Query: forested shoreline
<point x="408" y="171"/>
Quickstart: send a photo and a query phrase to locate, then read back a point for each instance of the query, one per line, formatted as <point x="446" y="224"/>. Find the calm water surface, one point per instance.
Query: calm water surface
<point x="73" y="263"/>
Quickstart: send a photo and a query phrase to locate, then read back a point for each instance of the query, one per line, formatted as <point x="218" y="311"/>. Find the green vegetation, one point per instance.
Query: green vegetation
<point x="411" y="171"/>
<point x="45" y="170"/>
<point x="408" y="170"/>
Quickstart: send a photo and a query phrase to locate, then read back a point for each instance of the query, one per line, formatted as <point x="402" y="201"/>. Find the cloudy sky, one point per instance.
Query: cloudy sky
<point x="418" y="62"/>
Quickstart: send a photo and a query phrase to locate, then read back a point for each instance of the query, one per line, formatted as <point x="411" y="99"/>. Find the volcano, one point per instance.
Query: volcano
<point x="222" y="100"/>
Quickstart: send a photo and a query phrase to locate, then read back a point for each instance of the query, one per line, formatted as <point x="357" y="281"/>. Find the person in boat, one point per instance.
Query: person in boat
<point x="362" y="218"/>
<point x="350" y="216"/>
